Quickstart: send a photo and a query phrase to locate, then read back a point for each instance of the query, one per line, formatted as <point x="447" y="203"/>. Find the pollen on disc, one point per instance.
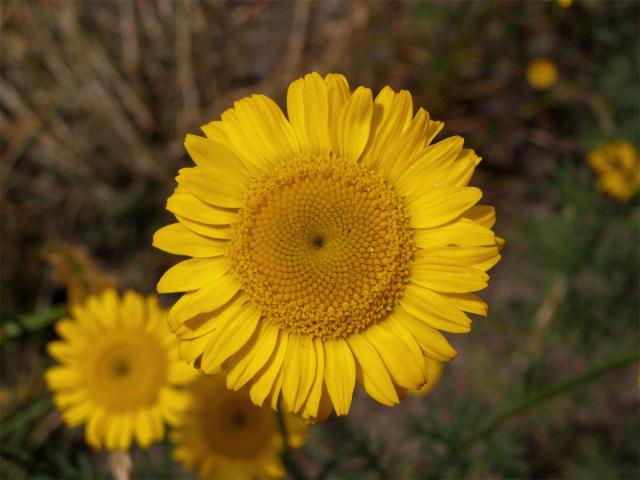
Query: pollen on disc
<point x="323" y="247"/>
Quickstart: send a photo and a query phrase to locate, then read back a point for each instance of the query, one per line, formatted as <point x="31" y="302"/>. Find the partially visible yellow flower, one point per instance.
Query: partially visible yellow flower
<point x="542" y="73"/>
<point x="119" y="369"/>
<point x="223" y="435"/>
<point x="617" y="166"/>
<point x="565" y="3"/>
<point x="434" y="372"/>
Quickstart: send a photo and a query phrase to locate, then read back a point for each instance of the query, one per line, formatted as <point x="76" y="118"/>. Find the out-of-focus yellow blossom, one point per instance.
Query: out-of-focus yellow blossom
<point x="222" y="435"/>
<point x="542" y="73"/>
<point x="119" y="371"/>
<point x="616" y="163"/>
<point x="565" y="3"/>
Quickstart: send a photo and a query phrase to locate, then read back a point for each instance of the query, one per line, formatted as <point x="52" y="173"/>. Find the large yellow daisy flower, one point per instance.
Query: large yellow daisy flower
<point x="223" y="435"/>
<point x="118" y="371"/>
<point x="328" y="248"/>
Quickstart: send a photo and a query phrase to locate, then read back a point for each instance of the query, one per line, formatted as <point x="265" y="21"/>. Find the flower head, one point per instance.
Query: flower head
<point x="118" y="371"/>
<point x="542" y="73"/>
<point x="222" y="434"/>
<point x="328" y="248"/>
<point x="617" y="165"/>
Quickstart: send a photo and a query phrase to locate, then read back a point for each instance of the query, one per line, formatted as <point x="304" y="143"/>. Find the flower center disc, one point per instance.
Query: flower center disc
<point x="124" y="374"/>
<point x="323" y="247"/>
<point x="232" y="425"/>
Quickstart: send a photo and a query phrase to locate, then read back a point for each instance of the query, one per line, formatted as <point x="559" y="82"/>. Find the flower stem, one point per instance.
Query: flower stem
<point x="292" y="467"/>
<point x="542" y="396"/>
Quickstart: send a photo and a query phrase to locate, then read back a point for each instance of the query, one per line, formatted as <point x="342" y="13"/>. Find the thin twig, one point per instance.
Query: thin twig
<point x="542" y="396"/>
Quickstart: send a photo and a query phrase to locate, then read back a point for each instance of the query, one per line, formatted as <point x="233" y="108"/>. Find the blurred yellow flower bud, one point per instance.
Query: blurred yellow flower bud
<point x="542" y="73"/>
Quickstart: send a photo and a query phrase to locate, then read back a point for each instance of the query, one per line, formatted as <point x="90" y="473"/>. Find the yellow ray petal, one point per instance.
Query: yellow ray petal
<point x="371" y="371"/>
<point x="209" y="154"/>
<point x="193" y="274"/>
<point x="221" y="232"/>
<point x="69" y="330"/>
<point x="64" y="352"/>
<point x="230" y="338"/>
<point x="58" y="378"/>
<point x="311" y="405"/>
<point x="337" y="95"/>
<point x="339" y="374"/>
<point x="396" y="327"/>
<point x="143" y="427"/>
<point x="392" y="114"/>
<point x="307" y="106"/>
<point x="272" y="126"/>
<point x="430" y="166"/>
<point x="78" y="413"/>
<point x="468" y="302"/>
<point x="207" y="299"/>
<point x="405" y="370"/>
<point x="482" y="258"/>
<point x="463" y="233"/>
<point x="299" y="370"/>
<point x="203" y="323"/>
<point x="95" y="430"/>
<point x="107" y="307"/>
<point x="261" y="387"/>
<point x="68" y="398"/>
<point x="133" y="308"/>
<point x="354" y="125"/>
<point x="484" y="215"/>
<point x="183" y="203"/>
<point x="214" y="186"/>
<point x="431" y="341"/>
<point x="190" y="349"/>
<point x="431" y="308"/>
<point x="441" y="205"/>
<point x="125" y="431"/>
<point x="259" y="130"/>
<point x="255" y="357"/>
<point x="448" y="278"/>
<point x="399" y="157"/>
<point x="461" y="172"/>
<point x="178" y="239"/>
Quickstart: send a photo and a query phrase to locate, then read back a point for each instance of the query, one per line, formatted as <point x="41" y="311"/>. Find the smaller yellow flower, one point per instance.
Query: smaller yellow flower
<point x="565" y="3"/>
<point x="223" y="435"/>
<point x="118" y="371"/>
<point x="542" y="73"/>
<point x="616" y="163"/>
<point x="434" y="372"/>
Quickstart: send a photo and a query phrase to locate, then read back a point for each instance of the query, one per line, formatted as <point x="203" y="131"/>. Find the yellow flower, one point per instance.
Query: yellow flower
<point x="542" y="73"/>
<point x="434" y="372"/>
<point x="118" y="371"/>
<point x="565" y="3"/>
<point x="617" y="165"/>
<point x="223" y="435"/>
<point x="329" y="248"/>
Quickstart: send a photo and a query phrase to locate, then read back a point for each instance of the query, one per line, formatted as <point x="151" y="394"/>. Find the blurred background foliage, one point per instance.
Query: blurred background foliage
<point x="96" y="98"/>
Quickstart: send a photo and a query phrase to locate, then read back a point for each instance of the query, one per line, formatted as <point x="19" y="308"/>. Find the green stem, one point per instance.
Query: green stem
<point x="542" y="396"/>
<point x="292" y="467"/>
